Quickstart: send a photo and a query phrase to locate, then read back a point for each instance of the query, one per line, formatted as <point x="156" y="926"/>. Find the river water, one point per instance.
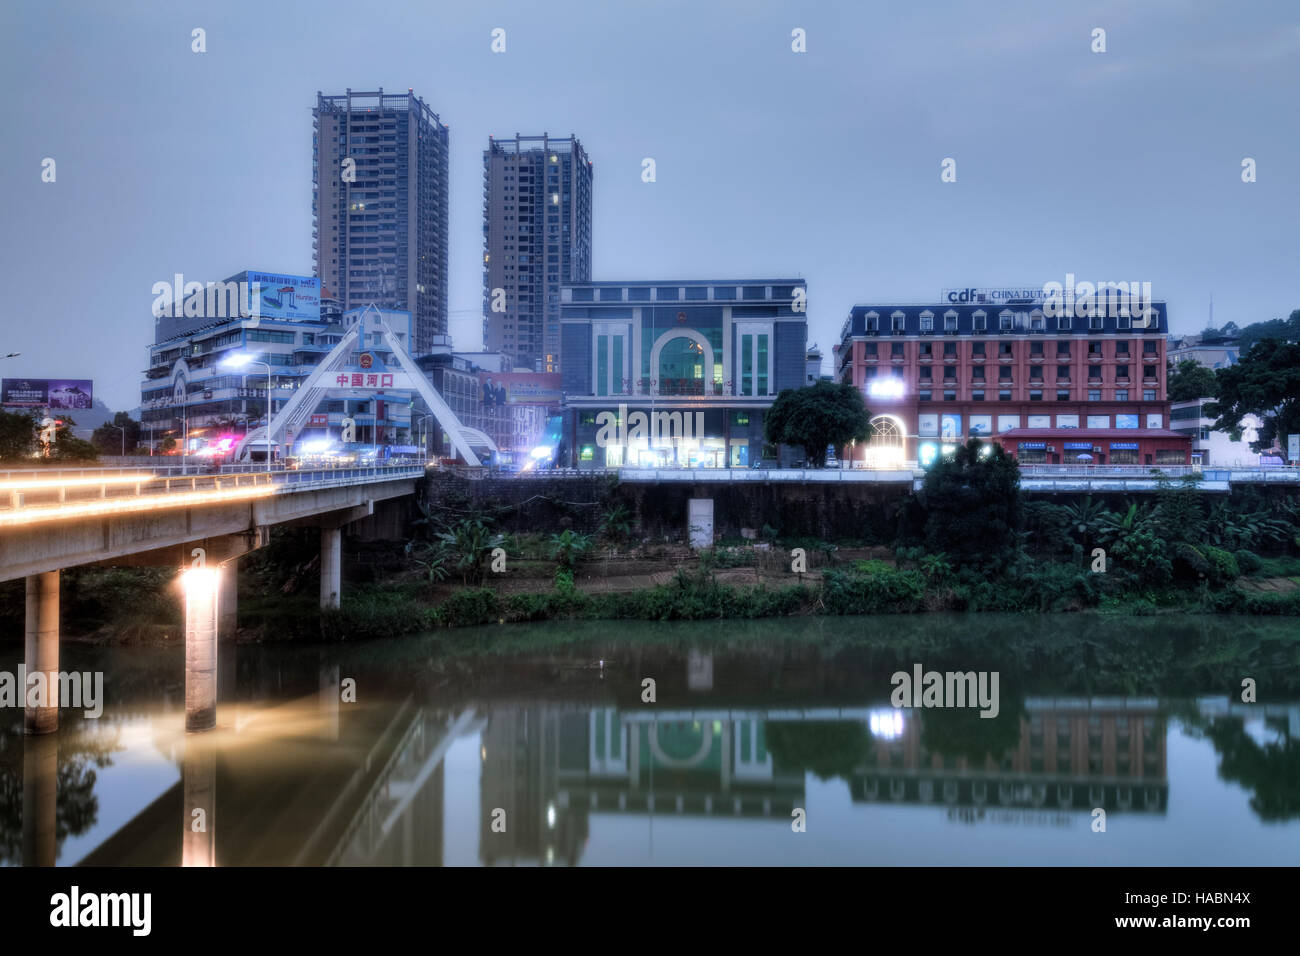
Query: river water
<point x="770" y="742"/>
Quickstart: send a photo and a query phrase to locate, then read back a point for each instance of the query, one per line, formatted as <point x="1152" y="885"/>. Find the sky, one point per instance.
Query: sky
<point x="1123" y="165"/>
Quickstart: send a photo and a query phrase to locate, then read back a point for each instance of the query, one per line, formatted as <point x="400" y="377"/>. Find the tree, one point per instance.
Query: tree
<point x="108" y="437"/>
<point x="817" y="416"/>
<point x="972" y="503"/>
<point x="17" y="433"/>
<point x="68" y="447"/>
<point x="1190" y="380"/>
<point x="1266" y="382"/>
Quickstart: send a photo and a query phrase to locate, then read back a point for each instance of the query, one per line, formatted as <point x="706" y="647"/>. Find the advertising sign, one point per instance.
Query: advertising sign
<point x="61" y="393"/>
<point x="1077" y="446"/>
<point x="1126" y="421"/>
<point x="274" y="296"/>
<point x="520" y="388"/>
<point x="1123" y="446"/>
<point x="1293" y="447"/>
<point x="981" y="424"/>
<point x="950" y="426"/>
<point x="1008" y="422"/>
<point x="1099" y="421"/>
<point x="1067" y="421"/>
<point x="1040" y="421"/>
<point x="928" y="425"/>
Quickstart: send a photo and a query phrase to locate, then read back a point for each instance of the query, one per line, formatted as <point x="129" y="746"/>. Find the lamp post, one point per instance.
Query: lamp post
<point x="122" y="429"/>
<point x="240" y="360"/>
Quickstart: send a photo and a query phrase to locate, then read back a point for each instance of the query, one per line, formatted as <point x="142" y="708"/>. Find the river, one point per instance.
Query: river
<point x="768" y="742"/>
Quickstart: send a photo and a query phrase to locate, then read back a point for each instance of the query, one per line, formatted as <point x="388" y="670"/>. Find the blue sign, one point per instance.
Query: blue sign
<point x="1078" y="446"/>
<point x="1123" y="446"/>
<point x="1032" y="445"/>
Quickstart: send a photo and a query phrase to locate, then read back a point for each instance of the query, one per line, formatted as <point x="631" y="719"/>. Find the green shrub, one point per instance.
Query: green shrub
<point x="470" y="606"/>
<point x="366" y="615"/>
<point x="1223" y="566"/>
<point x="1248" y="561"/>
<point x="873" y="592"/>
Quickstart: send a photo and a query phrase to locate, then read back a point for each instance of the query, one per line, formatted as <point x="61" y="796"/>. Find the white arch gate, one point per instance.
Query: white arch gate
<point x="327" y="378"/>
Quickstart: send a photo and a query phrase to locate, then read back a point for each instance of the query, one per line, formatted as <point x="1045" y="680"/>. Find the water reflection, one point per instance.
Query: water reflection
<point x="461" y="754"/>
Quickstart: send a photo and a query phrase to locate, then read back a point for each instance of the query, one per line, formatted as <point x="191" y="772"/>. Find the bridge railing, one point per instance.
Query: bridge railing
<point x="47" y="489"/>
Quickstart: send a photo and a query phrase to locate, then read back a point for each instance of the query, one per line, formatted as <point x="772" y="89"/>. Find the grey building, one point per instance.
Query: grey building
<point x="695" y="363"/>
<point x="536" y="238"/>
<point x="379" y="206"/>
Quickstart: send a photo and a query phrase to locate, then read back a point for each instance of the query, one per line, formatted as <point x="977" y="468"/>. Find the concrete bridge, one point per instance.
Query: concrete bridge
<point x="51" y="520"/>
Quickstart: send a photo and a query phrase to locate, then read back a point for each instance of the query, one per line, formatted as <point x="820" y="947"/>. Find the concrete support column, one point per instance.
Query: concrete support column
<point x="40" y="800"/>
<point x="329" y="699"/>
<point x="331" y="566"/>
<point x="228" y="600"/>
<point x="43" y="649"/>
<point x="201" y="586"/>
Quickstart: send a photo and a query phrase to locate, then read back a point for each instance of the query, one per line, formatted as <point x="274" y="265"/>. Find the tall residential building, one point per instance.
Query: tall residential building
<point x="536" y="238"/>
<point x="380" y="222"/>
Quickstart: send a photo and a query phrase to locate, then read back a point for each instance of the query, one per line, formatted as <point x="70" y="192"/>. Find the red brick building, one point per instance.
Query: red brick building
<point x="935" y="375"/>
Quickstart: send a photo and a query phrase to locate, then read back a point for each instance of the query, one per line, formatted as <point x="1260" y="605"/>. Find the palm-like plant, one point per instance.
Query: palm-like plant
<point x="1082" y="518"/>
<point x="1115" y="526"/>
<point x="569" y="546"/>
<point x="470" y="543"/>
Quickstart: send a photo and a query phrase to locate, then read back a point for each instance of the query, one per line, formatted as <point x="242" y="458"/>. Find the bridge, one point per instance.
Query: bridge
<point x="51" y="520"/>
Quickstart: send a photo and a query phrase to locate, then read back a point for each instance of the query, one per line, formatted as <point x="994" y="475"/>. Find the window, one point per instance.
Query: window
<point x="1035" y="395"/>
<point x="1005" y="321"/>
<point x="1121" y="373"/>
<point x="1004" y="395"/>
<point x="1006" y="350"/>
<point x="927" y="349"/>
<point x="978" y="373"/>
<point x="950" y="321"/>
<point x="897" y="321"/>
<point x="927" y="321"/>
<point x="1036" y="320"/>
<point x="980" y="321"/>
<point x="1121" y="348"/>
<point x="1094" y="395"/>
<point x="1149" y="348"/>
<point x="869" y="349"/>
<point x="1062" y="373"/>
<point x="1148" y="371"/>
<point x="949" y="349"/>
<point x="1121" y="394"/>
<point x="1035" y="349"/>
<point x="927" y="373"/>
<point x="873" y="322"/>
<point x="950" y="373"/>
<point x="950" y="396"/>
<point x="1094" y="350"/>
<point x="1063" y="349"/>
<point x="1004" y="375"/>
<point x="1063" y="322"/>
<point x="977" y="348"/>
<point x="1148" y="394"/>
<point x="924" y="395"/>
<point x="896" y="350"/>
<point x="977" y="396"/>
<point x="1063" y="395"/>
<point x="1094" y="373"/>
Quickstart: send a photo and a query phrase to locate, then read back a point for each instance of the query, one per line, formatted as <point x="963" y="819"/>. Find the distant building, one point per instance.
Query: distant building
<point x="536" y="238"/>
<point x="1212" y="448"/>
<point x="698" y="361"/>
<point x="379" y="205"/>
<point x="936" y="375"/>
<point x="813" y="359"/>
<point x="191" y="391"/>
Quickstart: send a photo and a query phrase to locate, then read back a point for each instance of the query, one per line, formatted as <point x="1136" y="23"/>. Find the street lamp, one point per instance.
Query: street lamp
<point x="424" y="445"/>
<point x="122" y="429"/>
<point x="240" y="360"/>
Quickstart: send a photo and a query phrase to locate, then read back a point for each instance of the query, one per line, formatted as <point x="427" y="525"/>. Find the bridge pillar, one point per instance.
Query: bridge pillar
<point x="228" y="601"/>
<point x="201" y="586"/>
<point x="40" y="800"/>
<point x="42" y="652"/>
<point x="331" y="566"/>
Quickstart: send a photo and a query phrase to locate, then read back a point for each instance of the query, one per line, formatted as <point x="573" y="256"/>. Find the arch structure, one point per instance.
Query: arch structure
<point x="888" y="443"/>
<point x="325" y="379"/>
<point x="656" y="353"/>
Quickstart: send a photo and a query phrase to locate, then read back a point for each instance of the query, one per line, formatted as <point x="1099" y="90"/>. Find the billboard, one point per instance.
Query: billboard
<point x="56" y="393"/>
<point x="276" y="296"/>
<point x="520" y="388"/>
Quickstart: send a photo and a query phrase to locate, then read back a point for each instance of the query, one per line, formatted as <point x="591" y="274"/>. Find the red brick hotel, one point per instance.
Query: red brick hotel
<point x="1050" y="388"/>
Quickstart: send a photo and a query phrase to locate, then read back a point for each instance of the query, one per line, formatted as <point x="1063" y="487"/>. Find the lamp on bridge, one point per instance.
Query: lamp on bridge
<point x="240" y="360"/>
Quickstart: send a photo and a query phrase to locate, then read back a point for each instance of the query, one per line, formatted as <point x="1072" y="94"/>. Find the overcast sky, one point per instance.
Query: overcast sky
<point x="1123" y="165"/>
